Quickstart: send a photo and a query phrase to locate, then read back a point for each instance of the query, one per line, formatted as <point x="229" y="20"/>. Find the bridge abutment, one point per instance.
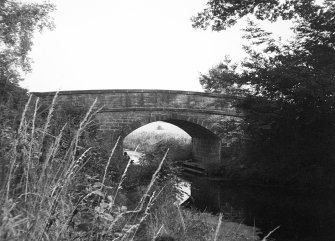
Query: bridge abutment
<point x="206" y="150"/>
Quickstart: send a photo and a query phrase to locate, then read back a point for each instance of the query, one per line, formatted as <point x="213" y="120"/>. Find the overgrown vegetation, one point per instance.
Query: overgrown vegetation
<point x="289" y="87"/>
<point x="149" y="141"/>
<point x="51" y="192"/>
<point x="60" y="183"/>
<point x="18" y="22"/>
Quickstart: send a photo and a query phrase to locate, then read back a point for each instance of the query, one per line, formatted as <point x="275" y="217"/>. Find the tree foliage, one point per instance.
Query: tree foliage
<point x="221" y="14"/>
<point x="222" y="78"/>
<point x="291" y="86"/>
<point x="18" y="23"/>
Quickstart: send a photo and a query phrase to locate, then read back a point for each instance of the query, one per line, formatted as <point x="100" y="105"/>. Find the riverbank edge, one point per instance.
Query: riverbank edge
<point x="253" y="183"/>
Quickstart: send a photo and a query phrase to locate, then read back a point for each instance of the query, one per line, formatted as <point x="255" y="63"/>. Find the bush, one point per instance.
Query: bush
<point x="147" y="141"/>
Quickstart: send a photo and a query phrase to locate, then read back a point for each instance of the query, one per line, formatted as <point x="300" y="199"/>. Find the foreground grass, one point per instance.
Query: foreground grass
<point x="48" y="196"/>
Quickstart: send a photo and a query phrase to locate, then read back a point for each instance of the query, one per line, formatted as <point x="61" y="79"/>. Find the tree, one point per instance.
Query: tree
<point x="222" y="14"/>
<point x="291" y="99"/>
<point x="159" y="128"/>
<point x="222" y="78"/>
<point x="18" y="23"/>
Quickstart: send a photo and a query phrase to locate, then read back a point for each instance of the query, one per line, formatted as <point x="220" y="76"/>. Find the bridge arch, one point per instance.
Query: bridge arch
<point x="206" y="143"/>
<point x="124" y="111"/>
<point x="186" y="123"/>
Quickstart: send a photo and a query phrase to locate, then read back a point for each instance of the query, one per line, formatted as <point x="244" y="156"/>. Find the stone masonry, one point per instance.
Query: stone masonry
<point x="123" y="111"/>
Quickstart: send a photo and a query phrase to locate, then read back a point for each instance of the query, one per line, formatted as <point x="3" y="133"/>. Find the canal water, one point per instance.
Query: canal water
<point x="302" y="217"/>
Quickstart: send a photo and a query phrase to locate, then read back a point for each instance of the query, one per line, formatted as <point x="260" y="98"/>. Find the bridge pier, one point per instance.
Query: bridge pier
<point x="206" y="150"/>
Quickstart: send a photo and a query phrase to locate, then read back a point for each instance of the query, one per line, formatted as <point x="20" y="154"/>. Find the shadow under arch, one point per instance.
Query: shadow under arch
<point x="191" y="125"/>
<point x="206" y="143"/>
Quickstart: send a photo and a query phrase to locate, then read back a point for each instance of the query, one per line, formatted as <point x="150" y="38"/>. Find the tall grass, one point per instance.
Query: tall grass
<point x="38" y="178"/>
<point x="37" y="202"/>
<point x="40" y="200"/>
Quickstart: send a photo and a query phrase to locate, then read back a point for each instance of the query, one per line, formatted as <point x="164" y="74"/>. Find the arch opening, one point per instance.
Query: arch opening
<point x="146" y="138"/>
<point x="197" y="143"/>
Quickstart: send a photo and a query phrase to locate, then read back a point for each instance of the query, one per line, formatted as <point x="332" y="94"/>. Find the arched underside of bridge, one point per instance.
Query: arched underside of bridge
<point x="206" y="144"/>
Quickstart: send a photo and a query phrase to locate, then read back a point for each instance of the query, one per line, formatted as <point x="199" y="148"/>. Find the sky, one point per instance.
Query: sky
<point x="133" y="44"/>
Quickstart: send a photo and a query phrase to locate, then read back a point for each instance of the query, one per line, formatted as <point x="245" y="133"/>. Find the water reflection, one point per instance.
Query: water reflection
<point x="185" y="190"/>
<point x="301" y="217"/>
<point x="134" y="155"/>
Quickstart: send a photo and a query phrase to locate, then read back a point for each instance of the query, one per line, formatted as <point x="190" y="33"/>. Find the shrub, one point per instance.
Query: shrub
<point x="147" y="141"/>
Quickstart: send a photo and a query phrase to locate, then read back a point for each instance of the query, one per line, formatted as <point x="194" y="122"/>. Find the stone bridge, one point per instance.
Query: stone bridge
<point x="124" y="111"/>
